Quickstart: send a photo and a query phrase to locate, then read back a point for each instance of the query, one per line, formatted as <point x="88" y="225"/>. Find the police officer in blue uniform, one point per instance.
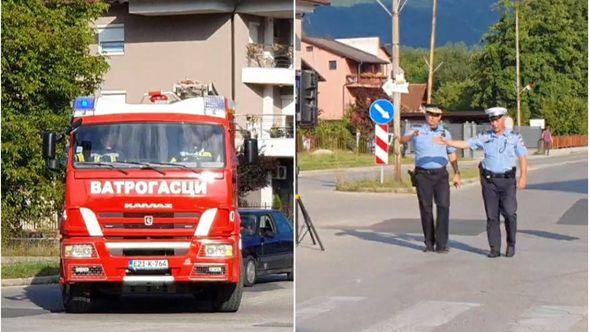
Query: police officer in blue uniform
<point x="498" y="176"/>
<point x="432" y="178"/>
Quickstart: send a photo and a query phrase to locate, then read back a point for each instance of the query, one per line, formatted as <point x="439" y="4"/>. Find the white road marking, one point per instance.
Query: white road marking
<point x="549" y="318"/>
<point x="322" y="304"/>
<point x="423" y="316"/>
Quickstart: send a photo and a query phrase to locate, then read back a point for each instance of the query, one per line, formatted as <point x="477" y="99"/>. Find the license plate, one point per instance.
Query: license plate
<point x="148" y="264"/>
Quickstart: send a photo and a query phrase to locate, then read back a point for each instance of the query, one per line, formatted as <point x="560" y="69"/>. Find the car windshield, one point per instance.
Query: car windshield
<point x="150" y="145"/>
<point x="248" y="225"/>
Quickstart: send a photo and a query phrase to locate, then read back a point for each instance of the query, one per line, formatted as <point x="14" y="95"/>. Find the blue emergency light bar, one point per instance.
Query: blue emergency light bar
<point x="84" y="104"/>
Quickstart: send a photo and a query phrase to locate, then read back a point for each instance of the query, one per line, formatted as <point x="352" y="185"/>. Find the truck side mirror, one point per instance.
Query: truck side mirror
<point x="48" y="150"/>
<point x="49" y="142"/>
<point x="251" y="150"/>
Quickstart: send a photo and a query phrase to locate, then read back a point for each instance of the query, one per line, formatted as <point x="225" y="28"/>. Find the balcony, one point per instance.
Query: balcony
<point x="366" y="80"/>
<point x="180" y="7"/>
<point x="269" y="65"/>
<point x="275" y="134"/>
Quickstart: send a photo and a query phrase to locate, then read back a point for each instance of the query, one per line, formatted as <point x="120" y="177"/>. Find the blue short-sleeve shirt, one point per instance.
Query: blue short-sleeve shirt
<point x="429" y="154"/>
<point x="500" y="151"/>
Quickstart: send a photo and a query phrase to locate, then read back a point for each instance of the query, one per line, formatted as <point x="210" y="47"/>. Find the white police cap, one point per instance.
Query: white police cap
<point x="496" y="111"/>
<point x="431" y="108"/>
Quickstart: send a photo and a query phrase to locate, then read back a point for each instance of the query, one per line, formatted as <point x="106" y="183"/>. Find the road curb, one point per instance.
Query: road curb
<point x="30" y="281"/>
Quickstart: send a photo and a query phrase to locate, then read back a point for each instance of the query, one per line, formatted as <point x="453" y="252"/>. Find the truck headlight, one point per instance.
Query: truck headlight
<point x="79" y="251"/>
<point x="219" y="250"/>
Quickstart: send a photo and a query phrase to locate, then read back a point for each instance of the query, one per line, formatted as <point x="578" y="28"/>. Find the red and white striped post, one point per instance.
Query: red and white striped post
<point x="382" y="146"/>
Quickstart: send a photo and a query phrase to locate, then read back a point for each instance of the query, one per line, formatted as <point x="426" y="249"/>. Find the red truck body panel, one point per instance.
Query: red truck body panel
<point x="146" y="215"/>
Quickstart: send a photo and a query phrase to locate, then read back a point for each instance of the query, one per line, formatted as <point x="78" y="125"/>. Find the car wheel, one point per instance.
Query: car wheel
<point x="250" y="272"/>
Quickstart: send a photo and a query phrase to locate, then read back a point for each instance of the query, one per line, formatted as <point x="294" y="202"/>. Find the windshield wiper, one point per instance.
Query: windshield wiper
<point x="145" y="165"/>
<point x="109" y="165"/>
<point x="177" y="165"/>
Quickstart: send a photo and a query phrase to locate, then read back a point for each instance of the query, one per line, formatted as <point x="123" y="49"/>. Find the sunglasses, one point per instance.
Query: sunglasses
<point x="434" y="115"/>
<point x="495" y="118"/>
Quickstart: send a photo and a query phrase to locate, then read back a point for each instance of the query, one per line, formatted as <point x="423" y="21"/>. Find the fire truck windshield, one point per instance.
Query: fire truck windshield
<point x="149" y="144"/>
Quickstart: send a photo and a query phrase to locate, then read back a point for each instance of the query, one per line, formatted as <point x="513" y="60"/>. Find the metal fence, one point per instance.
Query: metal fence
<point x="327" y="141"/>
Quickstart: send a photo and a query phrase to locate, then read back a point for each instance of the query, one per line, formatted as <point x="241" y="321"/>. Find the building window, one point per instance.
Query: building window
<point x="114" y="95"/>
<point x="111" y="39"/>
<point x="309" y="48"/>
<point x="332" y="65"/>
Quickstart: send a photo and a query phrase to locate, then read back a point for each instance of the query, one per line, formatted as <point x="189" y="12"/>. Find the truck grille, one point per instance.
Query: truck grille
<point x="144" y="226"/>
<point x="136" y="221"/>
<point x="151" y="252"/>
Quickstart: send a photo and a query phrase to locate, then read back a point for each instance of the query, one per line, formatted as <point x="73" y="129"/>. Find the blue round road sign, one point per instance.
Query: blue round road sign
<point x="381" y="111"/>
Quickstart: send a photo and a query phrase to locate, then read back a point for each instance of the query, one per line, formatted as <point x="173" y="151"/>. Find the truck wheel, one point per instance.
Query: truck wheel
<point x="290" y="276"/>
<point x="227" y="297"/>
<point x="76" y="299"/>
<point x="250" y="272"/>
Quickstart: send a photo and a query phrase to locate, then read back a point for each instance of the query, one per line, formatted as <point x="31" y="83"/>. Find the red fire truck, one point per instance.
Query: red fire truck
<point x="151" y="200"/>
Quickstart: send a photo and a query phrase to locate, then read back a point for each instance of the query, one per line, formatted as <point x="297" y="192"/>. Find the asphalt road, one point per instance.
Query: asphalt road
<point x="374" y="276"/>
<point x="268" y="306"/>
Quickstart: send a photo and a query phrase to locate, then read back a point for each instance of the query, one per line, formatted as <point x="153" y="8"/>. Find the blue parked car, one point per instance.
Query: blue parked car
<point x="267" y="244"/>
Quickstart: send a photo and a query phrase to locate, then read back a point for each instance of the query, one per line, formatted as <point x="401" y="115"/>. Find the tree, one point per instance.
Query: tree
<point x="453" y="85"/>
<point x="46" y="63"/>
<point x="358" y="113"/>
<point x="554" y="52"/>
<point x="254" y="176"/>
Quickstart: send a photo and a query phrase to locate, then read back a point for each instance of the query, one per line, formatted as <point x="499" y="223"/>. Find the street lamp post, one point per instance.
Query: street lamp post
<point x="397" y="97"/>
<point x="517" y="66"/>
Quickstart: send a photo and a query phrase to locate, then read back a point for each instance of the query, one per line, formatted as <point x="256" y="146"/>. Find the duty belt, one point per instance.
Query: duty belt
<point x="430" y="170"/>
<point x="511" y="174"/>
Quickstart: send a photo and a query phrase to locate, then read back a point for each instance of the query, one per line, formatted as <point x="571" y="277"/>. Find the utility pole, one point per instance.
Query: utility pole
<point x="397" y="170"/>
<point x="432" y="46"/>
<point x="517" y="67"/>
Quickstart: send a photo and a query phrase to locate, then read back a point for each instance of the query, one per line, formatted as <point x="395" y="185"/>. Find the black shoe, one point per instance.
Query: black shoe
<point x="442" y="250"/>
<point x="428" y="249"/>
<point x="510" y="251"/>
<point x="493" y="254"/>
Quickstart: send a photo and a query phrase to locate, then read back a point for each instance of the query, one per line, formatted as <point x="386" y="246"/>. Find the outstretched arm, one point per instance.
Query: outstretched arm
<point x="456" y="144"/>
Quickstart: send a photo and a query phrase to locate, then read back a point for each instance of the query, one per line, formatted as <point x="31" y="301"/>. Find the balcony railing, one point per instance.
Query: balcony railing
<point x="368" y="79"/>
<point x="267" y="126"/>
<point x="269" y="56"/>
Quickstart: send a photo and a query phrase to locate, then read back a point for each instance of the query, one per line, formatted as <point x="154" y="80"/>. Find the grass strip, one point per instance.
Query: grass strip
<point x="339" y="159"/>
<point x="29" y="269"/>
<point x="374" y="185"/>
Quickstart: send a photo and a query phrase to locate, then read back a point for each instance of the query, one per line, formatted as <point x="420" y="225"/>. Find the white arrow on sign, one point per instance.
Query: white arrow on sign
<point x="380" y="109"/>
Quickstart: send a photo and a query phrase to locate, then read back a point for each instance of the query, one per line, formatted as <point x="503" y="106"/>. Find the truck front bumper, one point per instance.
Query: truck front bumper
<point x="185" y="261"/>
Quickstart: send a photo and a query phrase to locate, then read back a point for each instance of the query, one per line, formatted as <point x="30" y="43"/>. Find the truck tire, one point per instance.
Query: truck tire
<point x="249" y="272"/>
<point x="76" y="299"/>
<point x="227" y="297"/>
<point x="290" y="276"/>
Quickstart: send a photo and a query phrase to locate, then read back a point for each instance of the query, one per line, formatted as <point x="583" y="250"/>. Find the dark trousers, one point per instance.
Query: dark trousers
<point x="429" y="185"/>
<point x="499" y="197"/>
